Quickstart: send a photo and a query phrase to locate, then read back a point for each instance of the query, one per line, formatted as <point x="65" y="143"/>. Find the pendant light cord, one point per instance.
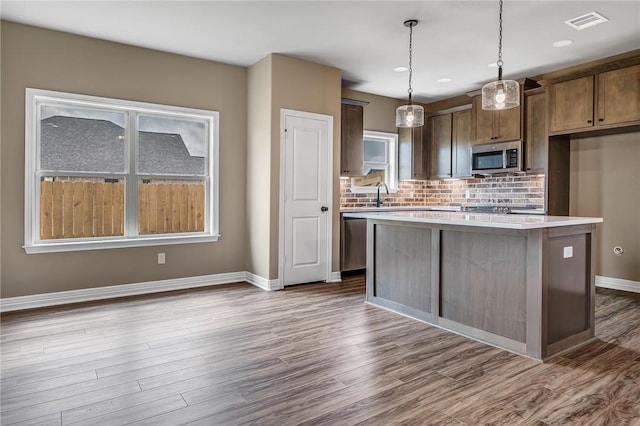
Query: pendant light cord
<point x="500" y="63"/>
<point x="410" y="60"/>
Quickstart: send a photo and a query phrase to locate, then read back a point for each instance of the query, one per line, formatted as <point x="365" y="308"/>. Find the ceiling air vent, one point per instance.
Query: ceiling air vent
<point x="585" y="21"/>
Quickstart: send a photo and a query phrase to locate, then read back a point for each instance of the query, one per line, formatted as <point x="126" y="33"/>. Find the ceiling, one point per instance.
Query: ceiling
<point x="365" y="39"/>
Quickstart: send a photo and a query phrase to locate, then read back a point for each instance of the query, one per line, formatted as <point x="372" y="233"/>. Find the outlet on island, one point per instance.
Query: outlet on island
<point x="161" y="258"/>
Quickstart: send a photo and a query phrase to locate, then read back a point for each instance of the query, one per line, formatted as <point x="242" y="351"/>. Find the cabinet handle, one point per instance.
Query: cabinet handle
<point x="589" y="121"/>
<point x="600" y="119"/>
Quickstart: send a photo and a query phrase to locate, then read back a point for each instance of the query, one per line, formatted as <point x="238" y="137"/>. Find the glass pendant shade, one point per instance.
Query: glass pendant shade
<point x="409" y="116"/>
<point x="501" y="94"/>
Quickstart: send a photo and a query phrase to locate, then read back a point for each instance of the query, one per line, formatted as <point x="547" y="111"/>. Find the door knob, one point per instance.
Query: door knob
<point x="324" y="208"/>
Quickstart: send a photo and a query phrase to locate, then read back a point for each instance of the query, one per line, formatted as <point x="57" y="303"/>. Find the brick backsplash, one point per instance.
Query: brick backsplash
<point x="512" y="191"/>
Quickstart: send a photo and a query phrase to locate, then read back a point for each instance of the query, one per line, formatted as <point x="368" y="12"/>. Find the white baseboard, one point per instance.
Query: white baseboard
<point x="262" y="282"/>
<point x="618" y="284"/>
<point x="109" y="292"/>
<point x="336" y="277"/>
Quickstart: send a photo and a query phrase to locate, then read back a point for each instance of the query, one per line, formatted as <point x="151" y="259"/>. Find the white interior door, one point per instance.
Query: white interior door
<point x="306" y="191"/>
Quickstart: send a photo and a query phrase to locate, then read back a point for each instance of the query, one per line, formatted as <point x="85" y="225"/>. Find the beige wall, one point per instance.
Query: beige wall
<point x="259" y="94"/>
<point x="39" y="58"/>
<point x="605" y="182"/>
<point x="380" y="113"/>
<point x="303" y="86"/>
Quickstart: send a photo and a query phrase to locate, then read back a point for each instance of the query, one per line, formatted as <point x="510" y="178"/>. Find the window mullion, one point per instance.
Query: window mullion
<point x="131" y="199"/>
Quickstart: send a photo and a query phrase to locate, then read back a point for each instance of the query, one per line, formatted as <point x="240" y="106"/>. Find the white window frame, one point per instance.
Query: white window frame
<point x="32" y="241"/>
<point x="391" y="166"/>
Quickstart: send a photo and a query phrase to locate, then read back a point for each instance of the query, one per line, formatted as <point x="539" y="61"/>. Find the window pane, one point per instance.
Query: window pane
<point x="81" y="139"/>
<point x="375" y="151"/>
<point x="171" y="146"/>
<point x="81" y="207"/>
<point x="169" y="206"/>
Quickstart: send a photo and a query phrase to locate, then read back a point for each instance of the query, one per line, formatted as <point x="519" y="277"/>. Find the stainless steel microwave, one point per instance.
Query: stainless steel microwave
<point x="499" y="157"/>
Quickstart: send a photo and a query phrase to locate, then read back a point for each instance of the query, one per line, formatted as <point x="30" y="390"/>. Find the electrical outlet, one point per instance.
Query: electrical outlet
<point x="467" y="194"/>
<point x="568" y="252"/>
<point x="161" y="258"/>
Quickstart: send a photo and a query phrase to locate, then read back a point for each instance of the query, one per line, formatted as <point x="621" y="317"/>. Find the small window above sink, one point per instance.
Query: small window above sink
<point x="380" y="154"/>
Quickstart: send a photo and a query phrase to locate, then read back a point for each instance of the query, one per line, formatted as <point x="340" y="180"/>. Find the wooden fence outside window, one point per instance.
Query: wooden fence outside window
<point x="90" y="208"/>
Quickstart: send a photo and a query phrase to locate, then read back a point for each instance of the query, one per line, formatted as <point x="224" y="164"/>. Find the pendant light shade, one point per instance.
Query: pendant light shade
<point x="410" y="115"/>
<point x="500" y="94"/>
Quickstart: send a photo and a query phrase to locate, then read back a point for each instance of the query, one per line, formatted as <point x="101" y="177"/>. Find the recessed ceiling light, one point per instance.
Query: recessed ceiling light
<point x="400" y="69"/>
<point x="562" y="43"/>
<point x="444" y="80"/>
<point x="493" y="65"/>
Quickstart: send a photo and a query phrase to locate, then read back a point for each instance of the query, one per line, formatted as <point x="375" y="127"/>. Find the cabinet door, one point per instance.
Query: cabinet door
<point x="461" y="144"/>
<point x="508" y="124"/>
<point x="419" y="159"/>
<point x="351" y="144"/>
<point x="619" y="96"/>
<point x="412" y="154"/>
<point x="571" y="104"/>
<point x="495" y="126"/>
<point x="483" y="122"/>
<point x="440" y="127"/>
<point x="536" y="132"/>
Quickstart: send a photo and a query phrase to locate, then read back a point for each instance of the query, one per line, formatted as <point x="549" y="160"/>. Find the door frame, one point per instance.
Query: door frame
<point x="329" y="120"/>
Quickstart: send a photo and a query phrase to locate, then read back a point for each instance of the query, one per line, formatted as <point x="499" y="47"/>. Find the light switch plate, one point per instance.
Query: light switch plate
<point x="568" y="252"/>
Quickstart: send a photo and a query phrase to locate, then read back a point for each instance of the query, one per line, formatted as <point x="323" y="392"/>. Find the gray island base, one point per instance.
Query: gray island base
<point x="522" y="283"/>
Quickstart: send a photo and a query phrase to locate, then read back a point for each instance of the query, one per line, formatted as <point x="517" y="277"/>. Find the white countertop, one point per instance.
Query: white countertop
<point x="487" y="220"/>
<point x="514" y="210"/>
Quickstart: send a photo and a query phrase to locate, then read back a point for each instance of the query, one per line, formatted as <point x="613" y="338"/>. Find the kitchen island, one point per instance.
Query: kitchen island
<point x="524" y="283"/>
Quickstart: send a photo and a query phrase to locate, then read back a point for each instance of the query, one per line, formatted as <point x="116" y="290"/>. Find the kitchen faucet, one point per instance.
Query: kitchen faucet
<point x="378" y="200"/>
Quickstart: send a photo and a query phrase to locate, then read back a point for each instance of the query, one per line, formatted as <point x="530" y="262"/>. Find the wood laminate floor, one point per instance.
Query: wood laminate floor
<point x="313" y="354"/>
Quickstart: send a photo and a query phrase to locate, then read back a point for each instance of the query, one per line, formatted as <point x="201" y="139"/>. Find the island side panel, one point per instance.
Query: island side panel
<point x="483" y="280"/>
<point x="400" y="275"/>
<point x="569" y="287"/>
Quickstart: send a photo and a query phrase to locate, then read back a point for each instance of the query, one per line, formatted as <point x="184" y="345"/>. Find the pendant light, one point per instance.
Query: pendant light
<point x="410" y="115"/>
<point x="501" y="94"/>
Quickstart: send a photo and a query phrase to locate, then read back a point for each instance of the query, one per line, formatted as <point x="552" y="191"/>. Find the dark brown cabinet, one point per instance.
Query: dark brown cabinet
<point x="495" y="126"/>
<point x="440" y="129"/>
<point x="608" y="99"/>
<point x="536" y="132"/>
<point x="619" y="96"/>
<point x="351" y="140"/>
<point x="450" y="137"/>
<point x="413" y="155"/>
<point x="571" y="104"/>
<point x="461" y="144"/>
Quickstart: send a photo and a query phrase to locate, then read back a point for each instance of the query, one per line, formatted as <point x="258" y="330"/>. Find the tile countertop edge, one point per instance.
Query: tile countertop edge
<point x="519" y="221"/>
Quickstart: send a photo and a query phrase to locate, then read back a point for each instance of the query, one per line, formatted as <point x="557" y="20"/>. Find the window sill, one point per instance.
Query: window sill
<point x="58" y="247"/>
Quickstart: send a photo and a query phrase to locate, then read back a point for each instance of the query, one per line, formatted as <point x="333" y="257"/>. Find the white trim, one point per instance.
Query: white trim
<point x="32" y="243"/>
<point x="165" y="240"/>
<point x="262" y="282"/>
<point x="336" y="277"/>
<point x="329" y="120"/>
<point x="618" y="284"/>
<point x="123" y="290"/>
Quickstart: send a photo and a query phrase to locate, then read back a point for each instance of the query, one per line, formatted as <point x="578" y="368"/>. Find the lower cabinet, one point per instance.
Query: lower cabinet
<point x="450" y="141"/>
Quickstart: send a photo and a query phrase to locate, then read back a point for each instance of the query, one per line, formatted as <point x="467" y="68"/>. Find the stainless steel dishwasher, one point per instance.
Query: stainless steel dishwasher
<point x="354" y="244"/>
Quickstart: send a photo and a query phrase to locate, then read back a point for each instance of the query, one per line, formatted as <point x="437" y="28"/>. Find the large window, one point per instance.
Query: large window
<point x="108" y="173"/>
<point x="380" y="155"/>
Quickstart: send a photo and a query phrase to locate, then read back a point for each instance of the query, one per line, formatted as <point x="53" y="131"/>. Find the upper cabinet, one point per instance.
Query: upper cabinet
<point x="535" y="131"/>
<point x="413" y="155"/>
<point x="440" y="136"/>
<point x="351" y="140"/>
<point x="495" y="126"/>
<point x="450" y="137"/>
<point x="571" y="104"/>
<point x="608" y="99"/>
<point x="619" y="96"/>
